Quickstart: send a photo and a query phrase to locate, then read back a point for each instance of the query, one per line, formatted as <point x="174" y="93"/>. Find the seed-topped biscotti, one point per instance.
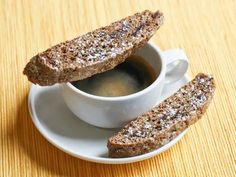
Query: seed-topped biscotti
<point x="94" y="52"/>
<point x="165" y="121"/>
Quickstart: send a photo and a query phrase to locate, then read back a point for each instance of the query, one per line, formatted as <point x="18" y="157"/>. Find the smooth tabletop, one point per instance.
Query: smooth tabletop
<point x="205" y="29"/>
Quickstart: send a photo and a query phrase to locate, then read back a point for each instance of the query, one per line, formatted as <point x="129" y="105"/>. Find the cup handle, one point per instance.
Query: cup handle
<point x="176" y="64"/>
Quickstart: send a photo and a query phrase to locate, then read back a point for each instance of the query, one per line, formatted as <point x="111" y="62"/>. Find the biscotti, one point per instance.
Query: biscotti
<point x="94" y="52"/>
<point x="165" y="121"/>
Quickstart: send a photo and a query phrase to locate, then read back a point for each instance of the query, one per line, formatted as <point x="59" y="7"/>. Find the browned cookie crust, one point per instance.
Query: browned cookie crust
<point x="165" y="121"/>
<point x="94" y="52"/>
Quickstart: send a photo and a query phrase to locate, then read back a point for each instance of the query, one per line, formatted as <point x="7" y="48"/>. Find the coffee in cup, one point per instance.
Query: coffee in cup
<point x="131" y="76"/>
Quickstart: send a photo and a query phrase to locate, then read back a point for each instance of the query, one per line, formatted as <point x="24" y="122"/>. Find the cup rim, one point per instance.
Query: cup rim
<point x="126" y="97"/>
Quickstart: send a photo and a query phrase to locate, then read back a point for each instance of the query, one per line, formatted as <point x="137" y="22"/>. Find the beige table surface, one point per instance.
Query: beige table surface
<point x="205" y="29"/>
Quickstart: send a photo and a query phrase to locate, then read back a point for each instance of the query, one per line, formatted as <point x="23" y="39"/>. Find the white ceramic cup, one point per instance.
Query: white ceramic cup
<point x="114" y="112"/>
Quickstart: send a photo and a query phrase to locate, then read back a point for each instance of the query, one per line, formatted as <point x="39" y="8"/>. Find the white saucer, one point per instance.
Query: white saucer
<point x="64" y="130"/>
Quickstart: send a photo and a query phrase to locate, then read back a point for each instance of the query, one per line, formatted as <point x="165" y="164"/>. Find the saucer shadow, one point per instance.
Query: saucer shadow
<point x="43" y="156"/>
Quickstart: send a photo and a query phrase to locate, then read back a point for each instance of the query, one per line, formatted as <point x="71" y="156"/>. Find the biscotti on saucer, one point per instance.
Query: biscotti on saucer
<point x="166" y="121"/>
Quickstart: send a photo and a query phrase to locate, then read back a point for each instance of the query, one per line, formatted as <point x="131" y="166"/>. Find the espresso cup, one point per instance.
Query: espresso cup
<point x="114" y="112"/>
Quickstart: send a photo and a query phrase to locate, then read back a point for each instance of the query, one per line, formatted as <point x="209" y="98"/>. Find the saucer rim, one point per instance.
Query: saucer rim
<point x="103" y="160"/>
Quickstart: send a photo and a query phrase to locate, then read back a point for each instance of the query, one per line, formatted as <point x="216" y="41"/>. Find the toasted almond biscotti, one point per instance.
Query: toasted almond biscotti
<point x="165" y="121"/>
<point x="94" y="52"/>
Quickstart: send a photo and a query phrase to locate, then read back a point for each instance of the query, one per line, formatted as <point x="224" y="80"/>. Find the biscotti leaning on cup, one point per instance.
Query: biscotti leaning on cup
<point x="166" y="121"/>
<point x="94" y="52"/>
